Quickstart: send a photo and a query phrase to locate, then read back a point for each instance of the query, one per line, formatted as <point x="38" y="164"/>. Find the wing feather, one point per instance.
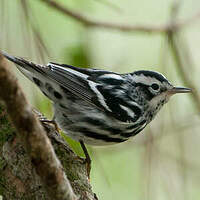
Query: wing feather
<point x="82" y="83"/>
<point x="73" y="81"/>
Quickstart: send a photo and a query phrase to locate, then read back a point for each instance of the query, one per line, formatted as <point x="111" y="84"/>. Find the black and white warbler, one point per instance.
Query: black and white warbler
<point x="100" y="107"/>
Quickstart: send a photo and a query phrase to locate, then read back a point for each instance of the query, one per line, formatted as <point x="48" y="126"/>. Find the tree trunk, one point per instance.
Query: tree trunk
<point x="18" y="178"/>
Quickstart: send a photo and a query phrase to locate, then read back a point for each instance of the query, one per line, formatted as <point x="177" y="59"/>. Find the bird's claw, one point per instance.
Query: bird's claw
<point x="87" y="163"/>
<point x="51" y="122"/>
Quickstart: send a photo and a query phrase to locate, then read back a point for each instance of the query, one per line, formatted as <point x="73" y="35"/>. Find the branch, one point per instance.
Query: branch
<point x="176" y="50"/>
<point x="85" y="20"/>
<point x="31" y="132"/>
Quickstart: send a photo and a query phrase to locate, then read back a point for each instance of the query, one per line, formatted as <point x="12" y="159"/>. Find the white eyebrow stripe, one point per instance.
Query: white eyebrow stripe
<point x="147" y="80"/>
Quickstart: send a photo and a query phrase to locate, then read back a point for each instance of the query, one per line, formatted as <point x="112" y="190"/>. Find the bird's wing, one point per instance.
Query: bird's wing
<point x="92" y="85"/>
<point x="74" y="80"/>
<point x="80" y="82"/>
<point x="105" y="90"/>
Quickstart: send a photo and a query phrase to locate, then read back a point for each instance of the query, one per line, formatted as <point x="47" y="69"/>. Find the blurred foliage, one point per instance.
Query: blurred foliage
<point x="161" y="162"/>
<point x="77" y="56"/>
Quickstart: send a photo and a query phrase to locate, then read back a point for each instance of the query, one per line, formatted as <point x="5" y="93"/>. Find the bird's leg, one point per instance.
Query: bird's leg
<point x="87" y="158"/>
<point x="51" y="122"/>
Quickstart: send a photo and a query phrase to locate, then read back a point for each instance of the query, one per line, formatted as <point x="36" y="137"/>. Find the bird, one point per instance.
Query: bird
<point x="99" y="107"/>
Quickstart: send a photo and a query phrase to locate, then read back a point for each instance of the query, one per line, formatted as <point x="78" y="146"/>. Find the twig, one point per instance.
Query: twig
<point x="180" y="66"/>
<point x="36" y="142"/>
<point x="120" y="27"/>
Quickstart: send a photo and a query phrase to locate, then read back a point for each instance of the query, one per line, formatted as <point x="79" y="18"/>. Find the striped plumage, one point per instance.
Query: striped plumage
<point x="99" y="107"/>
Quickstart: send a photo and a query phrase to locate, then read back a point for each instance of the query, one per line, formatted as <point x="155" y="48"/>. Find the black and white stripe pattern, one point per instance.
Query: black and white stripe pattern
<point x="97" y="106"/>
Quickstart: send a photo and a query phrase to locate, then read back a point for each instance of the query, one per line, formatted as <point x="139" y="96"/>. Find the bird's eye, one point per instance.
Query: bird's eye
<point x="155" y="86"/>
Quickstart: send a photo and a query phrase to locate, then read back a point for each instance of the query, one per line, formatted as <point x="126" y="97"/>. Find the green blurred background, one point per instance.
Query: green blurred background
<point x="163" y="161"/>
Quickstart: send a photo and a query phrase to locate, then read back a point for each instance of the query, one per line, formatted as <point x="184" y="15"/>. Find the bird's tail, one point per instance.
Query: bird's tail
<point x="12" y="58"/>
<point x="34" y="72"/>
<point x="29" y="69"/>
<point x="21" y="62"/>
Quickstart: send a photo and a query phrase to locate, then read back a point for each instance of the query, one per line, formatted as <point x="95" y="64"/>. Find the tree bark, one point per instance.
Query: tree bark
<point x="29" y="166"/>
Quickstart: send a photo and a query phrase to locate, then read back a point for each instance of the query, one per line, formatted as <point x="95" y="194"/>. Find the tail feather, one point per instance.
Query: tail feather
<point x="29" y="69"/>
<point x="34" y="72"/>
<point x="12" y="58"/>
<point x="24" y="64"/>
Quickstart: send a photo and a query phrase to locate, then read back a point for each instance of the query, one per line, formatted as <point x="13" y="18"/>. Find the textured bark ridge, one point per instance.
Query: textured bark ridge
<point x="18" y="178"/>
<point x="35" y="162"/>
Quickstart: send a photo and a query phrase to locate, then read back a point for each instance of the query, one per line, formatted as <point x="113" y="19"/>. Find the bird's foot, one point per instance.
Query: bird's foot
<point x="87" y="161"/>
<point x="51" y="122"/>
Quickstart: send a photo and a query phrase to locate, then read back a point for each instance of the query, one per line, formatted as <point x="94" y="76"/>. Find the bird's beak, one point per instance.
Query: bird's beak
<point x="176" y="90"/>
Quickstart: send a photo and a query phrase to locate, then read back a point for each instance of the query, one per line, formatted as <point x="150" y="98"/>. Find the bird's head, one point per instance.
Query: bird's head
<point x="154" y="90"/>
